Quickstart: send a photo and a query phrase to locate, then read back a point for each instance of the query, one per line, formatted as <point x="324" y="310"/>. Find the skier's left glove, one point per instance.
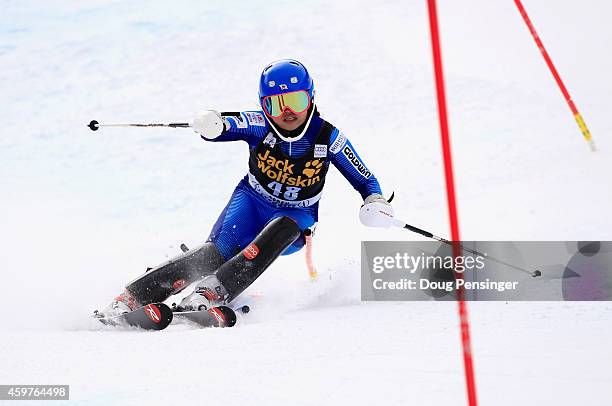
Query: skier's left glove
<point x="377" y="212"/>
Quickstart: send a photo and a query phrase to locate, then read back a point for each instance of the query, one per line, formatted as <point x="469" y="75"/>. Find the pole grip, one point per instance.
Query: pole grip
<point x="418" y="231"/>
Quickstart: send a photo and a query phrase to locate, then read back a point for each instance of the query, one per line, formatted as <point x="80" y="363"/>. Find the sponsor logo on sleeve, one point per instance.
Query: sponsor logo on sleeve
<point x="320" y="151"/>
<point x="352" y="157"/>
<point x="338" y="144"/>
<point x="255" y="118"/>
<point x="238" y="121"/>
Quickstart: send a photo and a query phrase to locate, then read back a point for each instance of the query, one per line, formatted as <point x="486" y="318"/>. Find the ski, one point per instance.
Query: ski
<point x="221" y="316"/>
<point x="154" y="316"/>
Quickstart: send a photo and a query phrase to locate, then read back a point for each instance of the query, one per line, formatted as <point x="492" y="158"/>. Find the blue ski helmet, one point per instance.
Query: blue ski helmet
<point x="284" y="76"/>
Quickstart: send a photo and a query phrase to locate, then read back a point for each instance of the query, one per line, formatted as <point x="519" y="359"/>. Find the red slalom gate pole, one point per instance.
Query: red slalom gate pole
<point x="452" y="203"/>
<point x="577" y="116"/>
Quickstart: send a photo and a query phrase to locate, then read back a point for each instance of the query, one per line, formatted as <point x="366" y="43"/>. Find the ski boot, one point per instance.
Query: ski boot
<point x="208" y="293"/>
<point x="124" y="303"/>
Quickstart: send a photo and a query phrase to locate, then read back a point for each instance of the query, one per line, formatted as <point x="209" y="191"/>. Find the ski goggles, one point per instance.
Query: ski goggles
<point x="297" y="102"/>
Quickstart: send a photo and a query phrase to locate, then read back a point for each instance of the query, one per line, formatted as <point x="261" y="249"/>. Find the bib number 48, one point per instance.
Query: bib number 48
<point x="291" y="192"/>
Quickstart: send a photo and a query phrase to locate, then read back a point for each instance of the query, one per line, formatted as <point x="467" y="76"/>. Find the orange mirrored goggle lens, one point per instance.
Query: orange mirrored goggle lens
<point x="297" y="102"/>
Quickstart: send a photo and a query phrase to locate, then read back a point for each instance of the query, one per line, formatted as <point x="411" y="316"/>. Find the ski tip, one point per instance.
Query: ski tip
<point x="154" y="316"/>
<point x="159" y="314"/>
<point x="225" y="316"/>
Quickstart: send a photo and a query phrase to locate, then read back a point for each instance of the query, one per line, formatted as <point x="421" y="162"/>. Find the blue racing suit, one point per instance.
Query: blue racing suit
<point x="251" y="207"/>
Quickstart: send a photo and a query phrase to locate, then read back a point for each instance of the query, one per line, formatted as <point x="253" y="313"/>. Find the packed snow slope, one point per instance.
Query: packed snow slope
<point x="83" y="213"/>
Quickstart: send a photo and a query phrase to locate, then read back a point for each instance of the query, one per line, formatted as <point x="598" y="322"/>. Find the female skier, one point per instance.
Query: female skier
<point x="274" y="207"/>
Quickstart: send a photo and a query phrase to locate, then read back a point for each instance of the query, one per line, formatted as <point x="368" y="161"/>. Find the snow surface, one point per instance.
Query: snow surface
<point x="83" y="213"/>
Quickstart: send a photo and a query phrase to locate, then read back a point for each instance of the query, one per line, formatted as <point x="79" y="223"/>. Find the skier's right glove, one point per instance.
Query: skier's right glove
<point x="377" y="212"/>
<point x="209" y="124"/>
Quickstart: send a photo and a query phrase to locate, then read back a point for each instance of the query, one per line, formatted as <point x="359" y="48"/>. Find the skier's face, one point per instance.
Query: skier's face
<point x="289" y="120"/>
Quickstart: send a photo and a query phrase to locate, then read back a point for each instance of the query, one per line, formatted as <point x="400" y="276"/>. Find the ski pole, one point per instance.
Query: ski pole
<point x="427" y="234"/>
<point x="94" y="125"/>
